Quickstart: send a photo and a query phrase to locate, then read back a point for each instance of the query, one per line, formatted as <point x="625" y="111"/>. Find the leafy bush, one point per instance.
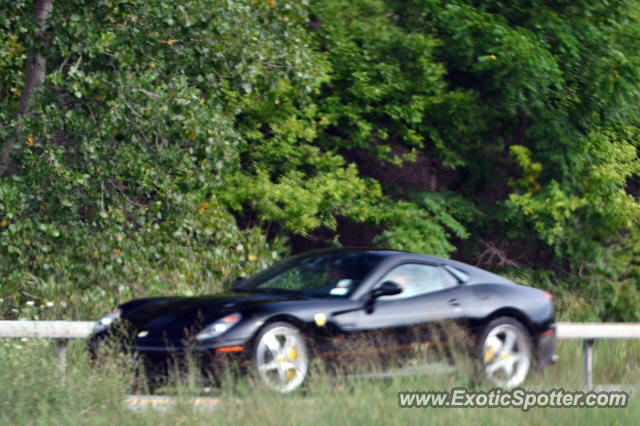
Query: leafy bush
<point x="172" y="147"/>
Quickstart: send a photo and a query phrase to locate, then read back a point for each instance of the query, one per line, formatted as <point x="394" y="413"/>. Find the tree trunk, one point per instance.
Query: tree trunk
<point x="34" y="75"/>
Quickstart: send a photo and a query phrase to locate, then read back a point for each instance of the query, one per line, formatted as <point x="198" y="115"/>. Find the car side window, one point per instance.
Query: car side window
<point x="448" y="279"/>
<point x="415" y="279"/>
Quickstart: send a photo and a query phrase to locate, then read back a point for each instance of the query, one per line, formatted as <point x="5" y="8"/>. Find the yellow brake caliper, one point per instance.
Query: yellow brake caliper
<point x="292" y="354"/>
<point x="488" y="354"/>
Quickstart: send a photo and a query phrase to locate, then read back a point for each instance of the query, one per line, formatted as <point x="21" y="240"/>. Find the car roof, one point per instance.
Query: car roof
<point x="476" y="275"/>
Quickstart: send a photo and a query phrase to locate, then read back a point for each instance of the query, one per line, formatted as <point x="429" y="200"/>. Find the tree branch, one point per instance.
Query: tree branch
<point x="35" y="72"/>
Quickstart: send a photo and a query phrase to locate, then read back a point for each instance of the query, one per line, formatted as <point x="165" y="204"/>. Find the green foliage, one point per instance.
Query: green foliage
<point x="593" y="201"/>
<point x="386" y="86"/>
<point x="300" y="202"/>
<point x="427" y="223"/>
<point x="12" y="56"/>
<point x="174" y="146"/>
<point x="559" y="85"/>
<point x="132" y="144"/>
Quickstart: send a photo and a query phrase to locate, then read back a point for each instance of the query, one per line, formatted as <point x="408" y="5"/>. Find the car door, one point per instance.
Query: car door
<point x="430" y="295"/>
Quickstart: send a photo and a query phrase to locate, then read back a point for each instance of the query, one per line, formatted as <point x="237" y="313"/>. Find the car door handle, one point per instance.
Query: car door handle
<point x="454" y="302"/>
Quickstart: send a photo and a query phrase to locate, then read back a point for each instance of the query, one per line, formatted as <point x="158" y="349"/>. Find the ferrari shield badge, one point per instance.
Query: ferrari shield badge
<point x="320" y="319"/>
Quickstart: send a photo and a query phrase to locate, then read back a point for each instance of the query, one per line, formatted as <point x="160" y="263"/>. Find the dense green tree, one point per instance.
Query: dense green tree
<point x="532" y="103"/>
<point x="140" y="143"/>
<point x="173" y="146"/>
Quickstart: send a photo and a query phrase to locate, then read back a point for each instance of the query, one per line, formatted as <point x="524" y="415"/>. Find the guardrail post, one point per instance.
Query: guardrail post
<point x="61" y="351"/>
<point x="587" y="346"/>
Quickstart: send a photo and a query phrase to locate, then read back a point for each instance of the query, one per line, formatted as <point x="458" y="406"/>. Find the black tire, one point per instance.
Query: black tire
<point x="281" y="357"/>
<point x="505" y="352"/>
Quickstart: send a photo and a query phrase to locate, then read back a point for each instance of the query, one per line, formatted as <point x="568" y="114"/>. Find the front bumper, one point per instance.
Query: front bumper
<point x="158" y="361"/>
<point x="215" y="346"/>
<point x="208" y="364"/>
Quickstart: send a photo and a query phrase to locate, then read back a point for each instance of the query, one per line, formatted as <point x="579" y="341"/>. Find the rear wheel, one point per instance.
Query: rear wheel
<point x="281" y="357"/>
<point x="505" y="352"/>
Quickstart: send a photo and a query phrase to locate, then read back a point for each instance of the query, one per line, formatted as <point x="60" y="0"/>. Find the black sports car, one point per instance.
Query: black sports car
<point x="320" y="302"/>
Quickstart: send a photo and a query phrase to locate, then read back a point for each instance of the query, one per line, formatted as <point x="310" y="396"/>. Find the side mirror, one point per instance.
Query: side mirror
<point x="387" y="288"/>
<point x="237" y="282"/>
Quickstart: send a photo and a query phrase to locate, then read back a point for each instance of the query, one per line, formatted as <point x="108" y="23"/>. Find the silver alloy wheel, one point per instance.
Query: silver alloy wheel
<point x="281" y="358"/>
<point x="506" y="356"/>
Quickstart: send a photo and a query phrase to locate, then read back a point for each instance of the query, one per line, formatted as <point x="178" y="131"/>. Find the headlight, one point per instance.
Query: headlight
<point x="107" y="320"/>
<point x="219" y="327"/>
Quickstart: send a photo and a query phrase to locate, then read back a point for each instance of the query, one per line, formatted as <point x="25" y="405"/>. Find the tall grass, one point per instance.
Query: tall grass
<point x="34" y="392"/>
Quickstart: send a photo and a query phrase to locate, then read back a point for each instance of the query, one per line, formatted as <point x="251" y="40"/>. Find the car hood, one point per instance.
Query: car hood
<point x="179" y="317"/>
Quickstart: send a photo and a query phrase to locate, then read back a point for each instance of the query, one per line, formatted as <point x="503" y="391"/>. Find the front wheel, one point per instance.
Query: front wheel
<point x="281" y="357"/>
<point x="505" y="352"/>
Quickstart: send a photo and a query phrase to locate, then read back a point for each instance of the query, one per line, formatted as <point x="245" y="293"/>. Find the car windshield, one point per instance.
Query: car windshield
<point x="317" y="274"/>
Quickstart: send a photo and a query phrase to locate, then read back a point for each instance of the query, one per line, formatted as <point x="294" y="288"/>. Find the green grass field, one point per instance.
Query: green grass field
<point x="33" y="392"/>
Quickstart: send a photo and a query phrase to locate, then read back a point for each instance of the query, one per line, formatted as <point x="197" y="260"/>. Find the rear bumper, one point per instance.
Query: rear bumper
<point x="546" y="346"/>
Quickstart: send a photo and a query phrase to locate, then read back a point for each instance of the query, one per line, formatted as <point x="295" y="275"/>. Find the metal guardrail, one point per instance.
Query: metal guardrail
<point x="589" y="332"/>
<point x="47" y="329"/>
<point x="62" y="331"/>
<point x="597" y="330"/>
